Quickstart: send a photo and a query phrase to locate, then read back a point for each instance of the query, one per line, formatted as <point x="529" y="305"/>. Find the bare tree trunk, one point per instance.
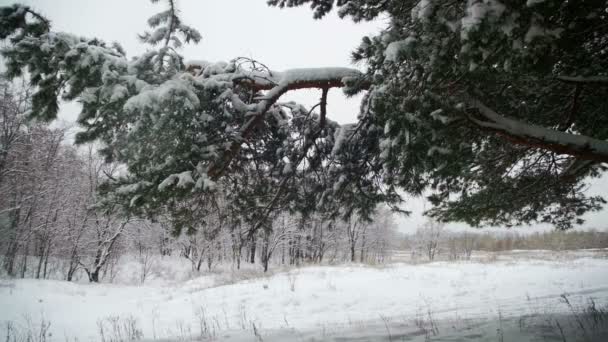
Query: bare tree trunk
<point x="237" y="246"/>
<point x="292" y="251"/>
<point x="46" y="262"/>
<point x="13" y="244"/>
<point x="74" y="262"/>
<point x="24" y="264"/>
<point x="94" y="276"/>
<point x="239" y="253"/>
<point x="298" y="254"/>
<point x="283" y="255"/>
<point x="252" y="249"/>
<point x="362" y="256"/>
<point x="199" y="263"/>
<point x="9" y="258"/>
<point x="104" y="252"/>
<point x="432" y="249"/>
<point x="41" y="255"/>
<point x="353" y="236"/>
<point x="210" y="258"/>
<point x="266" y="252"/>
<point x="72" y="269"/>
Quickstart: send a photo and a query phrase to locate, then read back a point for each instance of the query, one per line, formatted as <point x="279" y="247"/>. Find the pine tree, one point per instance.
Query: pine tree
<point x="497" y="108"/>
<point x="192" y="133"/>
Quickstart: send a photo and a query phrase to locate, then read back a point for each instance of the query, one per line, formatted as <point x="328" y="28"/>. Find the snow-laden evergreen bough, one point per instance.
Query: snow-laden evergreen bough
<point x="188" y="130"/>
<point x="496" y="109"/>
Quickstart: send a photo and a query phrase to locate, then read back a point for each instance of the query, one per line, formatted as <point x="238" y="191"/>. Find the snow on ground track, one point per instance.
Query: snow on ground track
<point x="322" y="297"/>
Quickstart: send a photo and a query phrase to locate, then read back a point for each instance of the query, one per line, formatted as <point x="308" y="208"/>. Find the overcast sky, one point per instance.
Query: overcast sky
<point x="281" y="39"/>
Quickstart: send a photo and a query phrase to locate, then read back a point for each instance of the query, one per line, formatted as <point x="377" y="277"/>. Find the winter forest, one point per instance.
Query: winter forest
<point x="191" y="199"/>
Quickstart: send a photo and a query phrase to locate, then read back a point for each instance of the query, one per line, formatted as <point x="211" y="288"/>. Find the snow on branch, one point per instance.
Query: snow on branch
<point x="580" y="146"/>
<point x="601" y="80"/>
<point x="277" y="84"/>
<point x="265" y="79"/>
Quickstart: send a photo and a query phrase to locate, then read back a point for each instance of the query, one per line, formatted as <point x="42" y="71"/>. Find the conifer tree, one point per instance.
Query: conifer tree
<point x="189" y="132"/>
<point x="497" y="108"/>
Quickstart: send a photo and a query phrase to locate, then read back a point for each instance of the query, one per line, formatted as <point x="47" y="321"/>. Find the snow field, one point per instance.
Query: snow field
<point x="320" y="298"/>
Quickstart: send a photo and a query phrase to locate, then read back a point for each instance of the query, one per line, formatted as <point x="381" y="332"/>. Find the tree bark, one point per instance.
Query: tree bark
<point x="252" y="247"/>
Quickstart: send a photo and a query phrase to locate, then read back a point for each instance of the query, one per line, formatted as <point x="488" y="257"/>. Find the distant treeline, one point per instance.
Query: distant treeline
<point x="552" y="240"/>
<point x="431" y="241"/>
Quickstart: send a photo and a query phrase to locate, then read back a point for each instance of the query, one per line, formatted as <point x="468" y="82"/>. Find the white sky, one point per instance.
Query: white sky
<point x="281" y="39"/>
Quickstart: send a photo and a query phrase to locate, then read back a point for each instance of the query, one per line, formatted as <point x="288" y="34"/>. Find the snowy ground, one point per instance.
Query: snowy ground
<point x="454" y="301"/>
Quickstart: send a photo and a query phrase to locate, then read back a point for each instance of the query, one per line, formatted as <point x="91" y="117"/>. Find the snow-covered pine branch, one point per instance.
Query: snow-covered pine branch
<point x="540" y="64"/>
<point x="519" y="132"/>
<point x="277" y="84"/>
<point x="182" y="128"/>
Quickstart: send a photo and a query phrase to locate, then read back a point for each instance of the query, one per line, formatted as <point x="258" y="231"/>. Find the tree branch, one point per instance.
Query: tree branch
<point x="580" y="146"/>
<point x="323" y="104"/>
<point x="598" y="80"/>
<point x="277" y="85"/>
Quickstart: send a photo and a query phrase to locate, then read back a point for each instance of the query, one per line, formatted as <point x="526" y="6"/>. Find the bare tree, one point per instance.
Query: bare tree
<point x="104" y="225"/>
<point x="355" y="228"/>
<point x="142" y="240"/>
<point x="428" y="236"/>
<point x="469" y="243"/>
<point x="33" y="167"/>
<point x="380" y="237"/>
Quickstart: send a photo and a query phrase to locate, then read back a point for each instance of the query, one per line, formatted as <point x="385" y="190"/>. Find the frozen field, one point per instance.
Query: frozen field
<point x="510" y="298"/>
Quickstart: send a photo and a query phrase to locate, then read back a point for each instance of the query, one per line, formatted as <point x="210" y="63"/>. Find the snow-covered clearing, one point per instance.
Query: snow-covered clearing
<point x="325" y="302"/>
